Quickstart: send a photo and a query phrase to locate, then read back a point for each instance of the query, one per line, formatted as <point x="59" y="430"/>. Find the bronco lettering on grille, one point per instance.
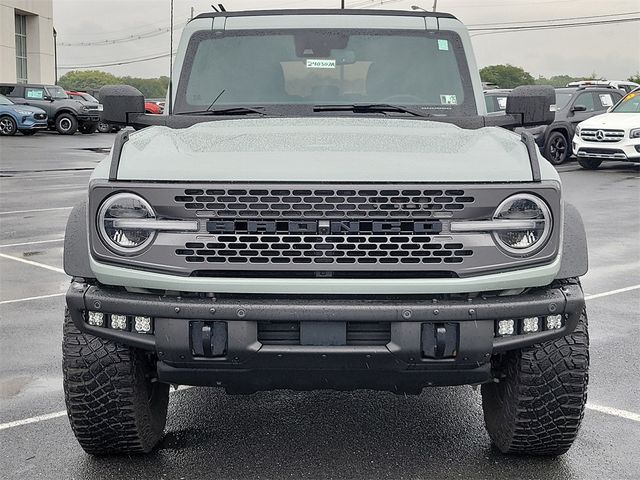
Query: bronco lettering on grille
<point x="323" y="226"/>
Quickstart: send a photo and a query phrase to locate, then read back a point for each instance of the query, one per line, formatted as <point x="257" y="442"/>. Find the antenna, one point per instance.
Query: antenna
<point x="171" y="62"/>
<point x="221" y="7"/>
<point x="215" y="8"/>
<point x="342" y="4"/>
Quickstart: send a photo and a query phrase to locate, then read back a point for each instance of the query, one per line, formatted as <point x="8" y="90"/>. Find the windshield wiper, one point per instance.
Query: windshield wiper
<point x="371" y="108"/>
<point x="227" y="111"/>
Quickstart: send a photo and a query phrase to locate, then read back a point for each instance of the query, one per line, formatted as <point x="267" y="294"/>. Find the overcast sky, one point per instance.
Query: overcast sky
<point x="612" y="51"/>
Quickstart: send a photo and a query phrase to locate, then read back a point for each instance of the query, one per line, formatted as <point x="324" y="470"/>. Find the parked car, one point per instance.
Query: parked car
<point x="154" y="106"/>
<point x="573" y="105"/>
<point x="64" y="114"/>
<point x="313" y="230"/>
<point x="20" y="118"/>
<point x="90" y="102"/>
<point x="623" y="85"/>
<point x="496" y="100"/>
<point x="614" y="135"/>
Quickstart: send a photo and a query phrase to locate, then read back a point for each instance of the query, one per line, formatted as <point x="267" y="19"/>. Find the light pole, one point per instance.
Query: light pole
<point x="55" y="54"/>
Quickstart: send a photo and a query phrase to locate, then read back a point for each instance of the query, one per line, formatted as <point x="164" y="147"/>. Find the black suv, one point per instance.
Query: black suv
<point x="573" y="105"/>
<point x="65" y="115"/>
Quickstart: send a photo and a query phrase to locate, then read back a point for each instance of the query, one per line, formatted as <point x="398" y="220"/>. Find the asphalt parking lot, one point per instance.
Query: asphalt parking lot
<point x="439" y="434"/>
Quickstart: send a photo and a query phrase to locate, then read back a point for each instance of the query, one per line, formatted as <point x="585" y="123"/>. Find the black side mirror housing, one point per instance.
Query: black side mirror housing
<point x="119" y="102"/>
<point x="532" y="104"/>
<point x="579" y="108"/>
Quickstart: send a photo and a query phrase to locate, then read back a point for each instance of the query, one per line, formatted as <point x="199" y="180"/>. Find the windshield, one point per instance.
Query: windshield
<point x="562" y="99"/>
<point x="5" y="101"/>
<point x="629" y="104"/>
<point x="56" y="92"/>
<point x="320" y="67"/>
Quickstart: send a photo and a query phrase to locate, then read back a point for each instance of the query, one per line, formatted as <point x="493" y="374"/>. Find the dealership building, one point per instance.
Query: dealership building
<point x="27" y="47"/>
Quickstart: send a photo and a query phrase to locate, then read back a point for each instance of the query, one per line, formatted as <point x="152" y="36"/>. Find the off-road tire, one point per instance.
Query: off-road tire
<point x="536" y="409"/>
<point x="8" y="126"/>
<point x="589" y="163"/>
<point x="557" y="148"/>
<point x="66" y="124"/>
<point x="88" y="128"/>
<point x="112" y="403"/>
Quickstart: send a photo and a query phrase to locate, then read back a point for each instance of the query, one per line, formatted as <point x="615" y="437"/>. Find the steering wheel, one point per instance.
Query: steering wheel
<point x="403" y="98"/>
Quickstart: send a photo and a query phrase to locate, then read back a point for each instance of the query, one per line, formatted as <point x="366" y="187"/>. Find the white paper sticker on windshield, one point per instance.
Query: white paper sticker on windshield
<point x="443" y="44"/>
<point x="606" y="99"/>
<point x="320" y="63"/>
<point x="448" y="100"/>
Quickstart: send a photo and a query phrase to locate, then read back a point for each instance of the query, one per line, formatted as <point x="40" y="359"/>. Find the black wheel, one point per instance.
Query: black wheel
<point x="557" y="148"/>
<point x="113" y="404"/>
<point x="88" y="128"/>
<point x="66" y="124"/>
<point x="589" y="163"/>
<point x="538" y="404"/>
<point x="104" y="127"/>
<point x="8" y="126"/>
<point x="28" y="132"/>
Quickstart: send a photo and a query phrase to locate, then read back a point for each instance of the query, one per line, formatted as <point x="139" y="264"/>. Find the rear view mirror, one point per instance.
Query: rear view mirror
<point x="344" y="57"/>
<point x="532" y="104"/>
<point x="119" y="102"/>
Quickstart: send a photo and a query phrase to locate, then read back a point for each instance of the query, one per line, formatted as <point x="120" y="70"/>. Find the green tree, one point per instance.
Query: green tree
<point x="556" y="80"/>
<point x="634" y="78"/>
<point x="506" y="76"/>
<point x="86" y="80"/>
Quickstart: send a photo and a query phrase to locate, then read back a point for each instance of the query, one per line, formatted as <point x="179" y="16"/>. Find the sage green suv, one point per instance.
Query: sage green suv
<point x="325" y="204"/>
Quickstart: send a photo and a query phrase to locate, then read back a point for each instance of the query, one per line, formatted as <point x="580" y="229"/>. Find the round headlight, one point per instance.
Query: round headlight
<point x="125" y="206"/>
<point x="534" y="213"/>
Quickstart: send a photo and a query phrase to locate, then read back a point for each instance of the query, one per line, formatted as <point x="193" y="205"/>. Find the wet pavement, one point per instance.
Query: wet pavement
<point x="369" y="435"/>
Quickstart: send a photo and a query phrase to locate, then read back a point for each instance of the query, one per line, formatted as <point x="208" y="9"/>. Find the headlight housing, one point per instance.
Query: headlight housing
<point x="578" y="130"/>
<point x="535" y="216"/>
<point x="127" y="241"/>
<point x="634" y="133"/>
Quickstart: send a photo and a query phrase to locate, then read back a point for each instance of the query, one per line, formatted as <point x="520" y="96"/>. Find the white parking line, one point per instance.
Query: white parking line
<point x="35" y="210"/>
<point x="18" y="300"/>
<point x="612" y="292"/>
<point x="31" y="262"/>
<point x="62" y="413"/>
<point x="32" y="243"/>
<point x="614" y="411"/>
<point x="27" y="421"/>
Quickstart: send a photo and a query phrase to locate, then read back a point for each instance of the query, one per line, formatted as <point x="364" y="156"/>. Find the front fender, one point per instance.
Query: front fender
<point x="76" y="244"/>
<point x="575" y="258"/>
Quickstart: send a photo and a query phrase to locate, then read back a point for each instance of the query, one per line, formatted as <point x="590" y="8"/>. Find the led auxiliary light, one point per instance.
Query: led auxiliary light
<point x="530" y="325"/>
<point x="142" y="324"/>
<point x="119" y="322"/>
<point x="554" y="322"/>
<point x="96" y="319"/>
<point x="506" y="327"/>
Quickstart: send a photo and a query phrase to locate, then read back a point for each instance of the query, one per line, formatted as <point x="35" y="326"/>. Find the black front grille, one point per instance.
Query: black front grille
<point x="324" y="249"/>
<point x="318" y="203"/>
<point x="358" y="333"/>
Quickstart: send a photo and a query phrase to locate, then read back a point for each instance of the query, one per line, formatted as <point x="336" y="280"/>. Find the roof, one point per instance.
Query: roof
<point x="318" y="11"/>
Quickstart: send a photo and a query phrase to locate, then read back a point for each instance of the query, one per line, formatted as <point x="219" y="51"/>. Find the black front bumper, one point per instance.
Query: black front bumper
<point x="463" y="347"/>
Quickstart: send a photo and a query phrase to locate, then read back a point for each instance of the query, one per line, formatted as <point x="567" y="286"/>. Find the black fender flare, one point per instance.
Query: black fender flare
<point x="76" y="244"/>
<point x="575" y="256"/>
<point x="564" y="127"/>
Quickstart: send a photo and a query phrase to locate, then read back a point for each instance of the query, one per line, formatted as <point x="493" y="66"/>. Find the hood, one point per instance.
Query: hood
<point x="325" y="149"/>
<point x="619" y="121"/>
<point x="25" y="108"/>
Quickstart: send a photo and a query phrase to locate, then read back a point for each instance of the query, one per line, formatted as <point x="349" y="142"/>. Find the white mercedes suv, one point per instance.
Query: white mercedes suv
<point x="614" y="135"/>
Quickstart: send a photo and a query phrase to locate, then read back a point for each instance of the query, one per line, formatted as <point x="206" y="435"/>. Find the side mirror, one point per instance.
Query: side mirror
<point x="118" y="102"/>
<point x="48" y="97"/>
<point x="532" y="104"/>
<point x="579" y="108"/>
